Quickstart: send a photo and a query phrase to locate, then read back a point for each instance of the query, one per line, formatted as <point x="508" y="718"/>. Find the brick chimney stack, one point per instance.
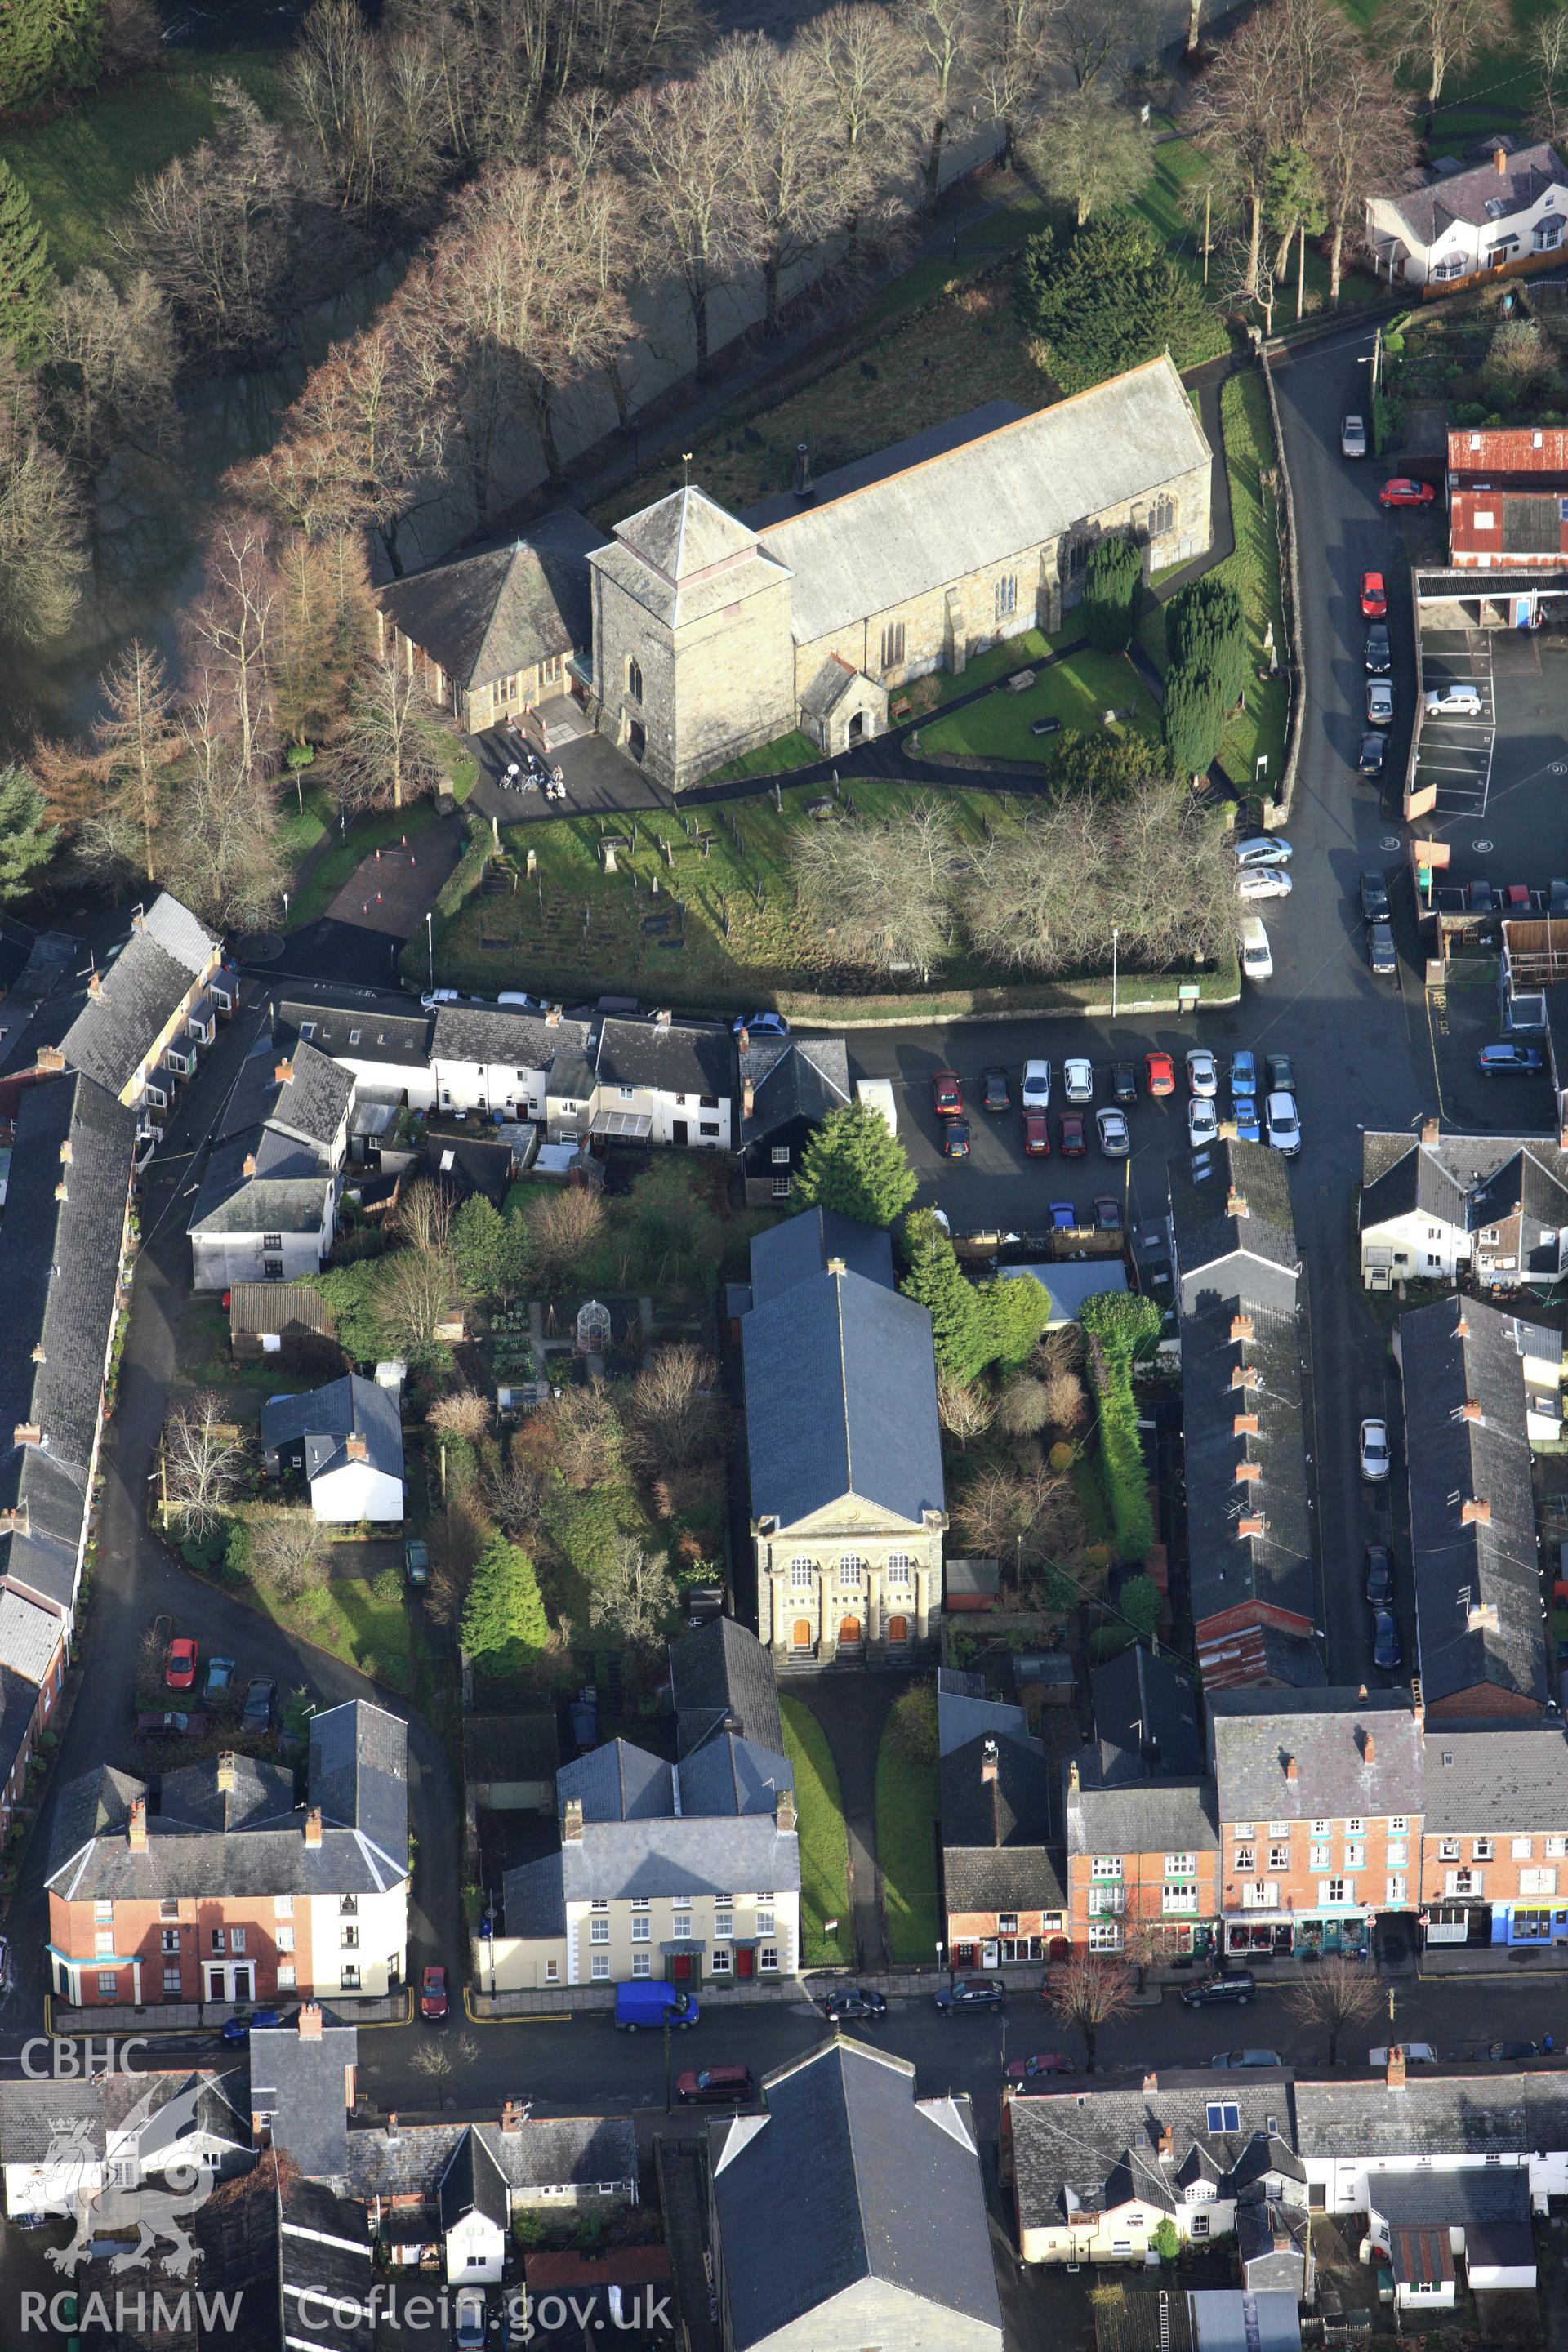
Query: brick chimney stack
<point x="1395" y="2067"/>
<point x="226" y="1771"/>
<point x="1470" y="1410"/>
<point x="1476" y="1515"/>
<point x="354" y="1448"/>
<point x="1167" y="2144"/>
<point x="283" y="1072"/>
<point x="1499" y="162"/>
<point x="313" y="1826"/>
<point x="784" y="1815"/>
<point x="1075" y="1782"/>
<point x="1292" y="1769"/>
<point x="511" y="2117"/>
<point x="1431" y="1131"/>
<point x="1241" y="1327"/>
<point x="745" y="1040"/>
<point x="136" y="1827"/>
<point x="1368" y="1749"/>
<point x="310" y="2021"/>
<point x="1150" y="2084"/>
<point x="989" y="1760"/>
<point x="572" y="1821"/>
<point x="748" y="1098"/>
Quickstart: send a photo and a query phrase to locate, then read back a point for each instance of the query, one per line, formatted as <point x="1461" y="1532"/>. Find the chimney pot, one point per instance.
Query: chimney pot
<point x="1247" y="1471"/>
<point x="1417" y="1704"/>
<point x="1462" y="1328"/>
<point x="1167" y="2144"/>
<point x="1292" y="1769"/>
<point x="67" y="1153"/>
<point x="1475" y="1514"/>
<point x="552" y="1018"/>
<point x="510" y="2117"/>
<point x="784" y="1815"/>
<point x="1241" y="1327"/>
<point x="1431" y="1131"/>
<point x="136" y="1829"/>
<point x="313" y="1829"/>
<point x="836" y="1266"/>
<point x="28" y="1433"/>
<point x="1396" y="2077"/>
<point x="248" y="1165"/>
<point x="1235" y="1203"/>
<point x="572" y="1821"/>
<point x="39" y="1355"/>
<point x="662" y="1018"/>
<point x="1471" y="1410"/>
<point x="310" y="2021"/>
<point x="1245" y="1425"/>
<point x="283" y="1073"/>
<point x="990" y="1757"/>
<point x="745" y="1040"/>
<point x="1499" y="161"/>
<point x="748" y="1098"/>
<point x="1246" y="1376"/>
<point x="62" y="1190"/>
<point x="354" y="1448"/>
<point x="1075" y="1782"/>
<point x="94" y="985"/>
<point x="1253" y="1526"/>
<point x="226" y="1771"/>
<point x="1368" y="1749"/>
<point x="1150" y="2084"/>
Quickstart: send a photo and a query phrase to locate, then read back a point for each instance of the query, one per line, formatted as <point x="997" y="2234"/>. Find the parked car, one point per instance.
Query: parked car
<point x="1510" y="1061"/>
<point x="172" y="1726"/>
<point x="1106" y="1212"/>
<point x="1263" y="882"/>
<point x="1203" y="1122"/>
<point x="1220" y="1992"/>
<point x="1256" y="956"/>
<point x="1064" y="1217"/>
<point x="1374" y="1455"/>
<point x="1036" y="1134"/>
<point x="760" y="1024"/>
<point x="1479" y="898"/>
<point x="1380" y="950"/>
<point x="1247" y="1119"/>
<point x="1373" y="596"/>
<point x="1557" y="897"/>
<point x="1124" y="1082"/>
<point x="854" y="2001"/>
<point x="1043" y="2063"/>
<point x="947" y="1094"/>
<point x="1071" y="1138"/>
<point x="1078" y="1079"/>
<point x="1244" y="1071"/>
<point x="1037" y="1088"/>
<point x="713" y="2085"/>
<point x="956" y="1140"/>
<point x="1379" y="1576"/>
<point x="970" y="1993"/>
<point x="260" y="1705"/>
<point x="1374" y="897"/>
<point x="261" y="2020"/>
<point x="1374" y="751"/>
<point x="1514" y="2052"/>
<point x="1282" y="1123"/>
<point x="417" y="1561"/>
<point x="1227" y="2061"/>
<point x="1456" y="700"/>
<point x="1385" y="1652"/>
<point x="1415" y="2053"/>
<point x="1159" y="1074"/>
<point x="1377" y="658"/>
<point x="218" y="1679"/>
<point x="1399" y="490"/>
<point x="1353" y="437"/>
<point x="469" y="2333"/>
<point x="1203" y="1072"/>
<point x="1379" y="702"/>
<point x="433" y="1999"/>
<point x="1263" y="849"/>
<point x="1280" y="1071"/>
<point x="996" y="1095"/>
<point x="180" y="1667"/>
<point x="1115" y="1142"/>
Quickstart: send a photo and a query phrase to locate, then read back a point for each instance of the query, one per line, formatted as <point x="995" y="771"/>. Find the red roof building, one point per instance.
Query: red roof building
<point x="1508" y="498"/>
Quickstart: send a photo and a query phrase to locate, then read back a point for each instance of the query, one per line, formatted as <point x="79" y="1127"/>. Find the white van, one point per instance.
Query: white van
<point x="877" y="1094"/>
<point x="1255" y="961"/>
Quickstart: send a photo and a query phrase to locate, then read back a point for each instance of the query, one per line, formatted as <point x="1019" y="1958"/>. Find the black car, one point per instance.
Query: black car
<point x="996" y="1095"/>
<point x="1107" y="1214"/>
<point x="1481" y="899"/>
<point x="972" y="1992"/>
<point x="1281" y="1074"/>
<point x="1374" y="897"/>
<point x="1377" y="657"/>
<point x="1384" y="1640"/>
<point x="1512" y="2051"/>
<point x="854" y="2000"/>
<point x="1124" y="1082"/>
<point x="1381" y="953"/>
<point x="261" y="1706"/>
<point x="1372" y="749"/>
<point x="1220" y="1992"/>
<point x="1379" y="1576"/>
<point x="955" y="1139"/>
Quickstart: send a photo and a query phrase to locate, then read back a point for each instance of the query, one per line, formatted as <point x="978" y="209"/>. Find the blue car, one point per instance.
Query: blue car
<point x="1510" y="1061"/>
<point x="1064" y="1216"/>
<point x="1386" y="1640"/>
<point x="1242" y="1073"/>
<point x="760" y="1024"/>
<point x="1247" y="1128"/>
<point x="239" y="2029"/>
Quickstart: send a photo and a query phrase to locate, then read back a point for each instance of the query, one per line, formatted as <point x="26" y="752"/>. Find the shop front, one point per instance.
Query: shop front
<point x="1283" y="1935"/>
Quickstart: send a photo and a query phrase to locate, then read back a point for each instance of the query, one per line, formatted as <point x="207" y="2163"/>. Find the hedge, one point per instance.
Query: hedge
<point x="1116" y="1328"/>
<point x="468" y="872"/>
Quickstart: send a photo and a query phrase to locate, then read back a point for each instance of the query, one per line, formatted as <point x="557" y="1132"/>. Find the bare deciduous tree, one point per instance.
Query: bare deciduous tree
<point x="965" y="1409"/>
<point x="565" y="1226"/>
<point x="109" y="368"/>
<point x="137" y="738"/>
<point x="1362" y="137"/>
<point x="1026" y="1407"/>
<point x="228" y="631"/>
<point x="675" y="1414"/>
<point x="1099" y="38"/>
<point x="41" y="520"/>
<point x="1090" y="1990"/>
<point x="464" y="1413"/>
<point x="1333" y="1994"/>
<point x="1090" y="153"/>
<point x="1547" y="48"/>
<point x="202" y="1462"/>
<point x="946" y="36"/>
<point x="634" y="1595"/>
<point x="218" y="839"/>
<point x="882" y="888"/>
<point x="423" y="1215"/>
<point x="1013" y="65"/>
<point x="511" y="1490"/>
<point x="421" y="1285"/>
<point x="369" y="100"/>
<point x="285" y="1551"/>
<point x="677" y="144"/>
<point x="868" y="62"/>
<point x="580" y="1432"/>
<point x="1022" y="1517"/>
<point x="1443" y="36"/>
<point x="393" y="748"/>
<point x="797" y="181"/>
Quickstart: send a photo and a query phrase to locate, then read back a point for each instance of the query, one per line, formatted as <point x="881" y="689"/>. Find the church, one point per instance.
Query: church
<point x="711" y="633"/>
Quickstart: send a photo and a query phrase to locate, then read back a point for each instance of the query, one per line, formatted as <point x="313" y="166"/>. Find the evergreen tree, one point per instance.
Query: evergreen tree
<point x="47" y="46"/>
<point x="854" y="1163"/>
<point x="1013" y="1313"/>
<point x="937" y="1280"/>
<point x="1109" y="300"/>
<point x="1194" y="720"/>
<point x="27" y="840"/>
<point x="503" y="1610"/>
<point x="1206" y="628"/>
<point x="1106" y="765"/>
<point x="1112" y="582"/>
<point x="492" y="1251"/>
<point x="26" y="282"/>
<point x="1140" y="1602"/>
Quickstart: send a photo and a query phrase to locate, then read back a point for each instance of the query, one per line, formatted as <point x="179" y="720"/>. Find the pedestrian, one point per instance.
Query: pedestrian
<point x="1547" y="2044"/>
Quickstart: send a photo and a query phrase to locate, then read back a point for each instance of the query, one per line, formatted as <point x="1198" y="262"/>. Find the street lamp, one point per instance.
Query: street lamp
<point x="430" y="941"/>
<point x="285" y="905"/>
<point x="1115" y="936"/>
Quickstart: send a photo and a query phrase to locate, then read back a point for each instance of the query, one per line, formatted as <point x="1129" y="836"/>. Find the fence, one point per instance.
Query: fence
<point x="211" y="2016"/>
<point x="1290" y="596"/>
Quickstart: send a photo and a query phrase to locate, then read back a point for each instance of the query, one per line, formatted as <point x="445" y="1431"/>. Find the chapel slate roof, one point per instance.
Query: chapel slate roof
<point x="324" y="1419"/>
<point x="1471" y="196"/>
<point x="915" y="450"/>
<point x="489" y="616"/>
<point x="302" y="2083"/>
<point x="1478" y="1578"/>
<point x="1256" y="1734"/>
<point x="801" y="1245"/>
<point x="807" y="1080"/>
<point x="681" y="1057"/>
<point x="685" y="558"/>
<point x="496" y="1035"/>
<point x="1229" y="1567"/>
<point x="1481" y="1776"/>
<point x="879" y="2186"/>
<point x="1100" y="2148"/>
<point x="969" y="509"/>
<point x="720" y="1670"/>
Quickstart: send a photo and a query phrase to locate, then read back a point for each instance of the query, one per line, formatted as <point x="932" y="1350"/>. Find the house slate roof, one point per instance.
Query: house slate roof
<point x="617" y="1782"/>
<point x="559" y="2152"/>
<point x="1232" y="1205"/>
<point x="1149" y="1817"/>
<point x="802" y="1246"/>
<point x="359" y="1774"/>
<point x="1145" y="1716"/>
<point x="807" y="1080"/>
<point x="489" y="616"/>
<point x="1456" y="2200"/>
<point x="672" y="1057"/>
<point x="617" y="1861"/>
<point x="522" y="1745"/>
<point x="29" y="1637"/>
<point x="1500" y="1776"/>
<point x="721" y="1670"/>
<point x="494" y="1036"/>
<point x="472" y="2182"/>
<point x="392" y="1029"/>
<point x="107" y="2102"/>
<point x="534" y="1898"/>
<point x="324" y="2249"/>
<point x="1469" y="1183"/>
<point x="840" y="1382"/>
<point x="325" y="1418"/>
<point x="685" y="558"/>
<point x="1483" y="198"/>
<point x="1455" y="2112"/>
<point x="283" y="1308"/>
<point x="1000" y="1838"/>
<point x="192" y="1797"/>
<point x="309" y="1103"/>
<point x="728" y="1775"/>
<point x="1228" y="1568"/>
<point x="233" y="1198"/>
<point x="879" y="2185"/>
<point x="963" y="1715"/>
<point x="915" y="450"/>
<point x="302" y="2083"/>
<point x="1478" y="1614"/>
<point x="1253" y="1733"/>
<point x="105" y="1023"/>
<point x="1099" y="2149"/>
<point x="1000" y="495"/>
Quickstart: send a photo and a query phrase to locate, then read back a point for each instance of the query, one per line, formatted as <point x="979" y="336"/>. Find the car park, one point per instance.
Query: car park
<point x="1386" y="1650"/>
<point x="1280" y="1071"/>
<point x="996" y="1095"/>
<point x="1283" y="1124"/>
<point x="1160" y="1073"/>
<point x="955" y="1139"/>
<point x="1371" y="755"/>
<point x="172" y="1725"/>
<point x="1353" y="437"/>
<point x="1374" y="897"/>
<point x="1203" y="1122"/>
<point x="1244" y="1071"/>
<point x="260" y="1705"/>
<point x="1114" y="1140"/>
<point x="1262" y="882"/>
<point x="1256" y="956"/>
<point x="180" y="1668"/>
<point x="713" y="2085"/>
<point x="1453" y="700"/>
<point x="219" y="1680"/>
<point x="1036" y="1135"/>
<point x="1071" y="1140"/>
<point x="947" y="1094"/>
<point x="1373" y="596"/>
<point x="1107" y="1214"/>
<point x="1203" y="1072"/>
<point x="1078" y="1079"/>
<point x="434" y="1998"/>
<point x="1379" y="1576"/>
<point x="1373" y="1449"/>
<point x="970" y="1993"/>
<point x="1379" y="702"/>
<point x="1263" y="849"/>
<point x="1035" y="1091"/>
<point x="1033" y="2069"/>
<point x="1510" y="1061"/>
<point x="1229" y="2062"/>
<point x="854" y="2001"/>
<point x="1400" y="491"/>
<point x="1233" y="1992"/>
<point x="1124" y="1082"/>
<point x="1377" y="657"/>
<point x="261" y="2020"/>
<point x="1380" y="950"/>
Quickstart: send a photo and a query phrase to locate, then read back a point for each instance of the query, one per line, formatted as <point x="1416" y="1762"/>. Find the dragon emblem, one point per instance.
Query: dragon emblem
<point x="156" y="2208"/>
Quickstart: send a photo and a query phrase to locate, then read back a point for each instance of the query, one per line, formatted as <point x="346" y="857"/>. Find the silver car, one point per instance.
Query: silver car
<point x="1353" y="437"/>
<point x="1078" y="1080"/>
<point x="1282" y="1124"/>
<point x="1379" y="702"/>
<point x="1263" y="849"/>
<point x="1114" y="1140"/>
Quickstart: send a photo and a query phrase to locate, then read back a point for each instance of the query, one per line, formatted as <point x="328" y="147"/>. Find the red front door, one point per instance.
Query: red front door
<point x="680" y="1968"/>
<point x="745" y="1962"/>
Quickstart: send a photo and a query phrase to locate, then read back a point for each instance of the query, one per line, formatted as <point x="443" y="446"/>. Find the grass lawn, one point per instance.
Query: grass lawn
<point x="824" y="1848"/>
<point x="341" y="1614"/>
<point x="1077" y="691"/>
<point x="1255" y="570"/>
<point x="368" y="832"/>
<point x="301" y="825"/>
<point x="779" y="757"/>
<point x="81" y="168"/>
<point x="907" y="1809"/>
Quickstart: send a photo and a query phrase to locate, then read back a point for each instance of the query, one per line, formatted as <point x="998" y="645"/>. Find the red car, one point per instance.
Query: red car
<point x="1044" y="2061"/>
<point x="180" y="1668"/>
<point x="1159" y="1072"/>
<point x="1071" y="1135"/>
<point x="1036" y="1135"/>
<point x="1373" y="596"/>
<point x="1401" y="492"/>
<point x="947" y="1094"/>
<point x="432" y="1995"/>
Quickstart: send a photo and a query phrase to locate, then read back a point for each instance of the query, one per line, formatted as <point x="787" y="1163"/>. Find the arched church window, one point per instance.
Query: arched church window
<point x="634" y="680"/>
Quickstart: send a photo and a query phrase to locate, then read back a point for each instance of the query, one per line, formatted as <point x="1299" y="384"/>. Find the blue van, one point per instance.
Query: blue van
<point x="650" y="2001"/>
